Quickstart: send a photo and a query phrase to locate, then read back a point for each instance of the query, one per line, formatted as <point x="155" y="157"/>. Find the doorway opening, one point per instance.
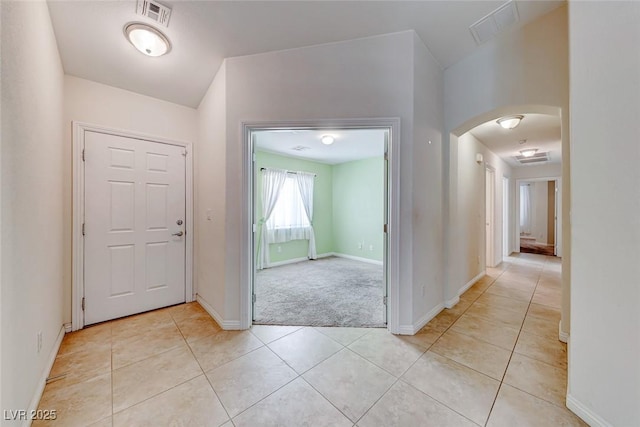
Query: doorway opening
<point x="538" y="216"/>
<point x="322" y="214"/>
<point x="320" y="247"/>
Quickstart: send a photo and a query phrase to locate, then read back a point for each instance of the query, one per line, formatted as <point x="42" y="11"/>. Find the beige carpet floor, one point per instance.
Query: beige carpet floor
<point x="325" y="292"/>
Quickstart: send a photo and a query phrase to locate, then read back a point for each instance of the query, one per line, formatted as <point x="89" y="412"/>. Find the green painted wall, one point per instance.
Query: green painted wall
<point x="322" y="204"/>
<point x="348" y="204"/>
<point x="358" y="208"/>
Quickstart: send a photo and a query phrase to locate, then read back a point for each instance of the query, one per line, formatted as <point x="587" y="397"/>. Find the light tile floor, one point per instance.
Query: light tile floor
<point x="494" y="360"/>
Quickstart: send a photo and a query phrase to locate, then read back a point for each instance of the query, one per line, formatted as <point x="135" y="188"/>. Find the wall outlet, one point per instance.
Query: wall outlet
<point x="279" y="249"/>
<point x="39" y="341"/>
<point x="371" y="248"/>
<point x="359" y="245"/>
<point x="209" y="214"/>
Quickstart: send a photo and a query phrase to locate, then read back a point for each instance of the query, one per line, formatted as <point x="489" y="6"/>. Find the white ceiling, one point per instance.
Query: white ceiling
<point x="542" y="131"/>
<point x="349" y="145"/>
<point x="203" y="33"/>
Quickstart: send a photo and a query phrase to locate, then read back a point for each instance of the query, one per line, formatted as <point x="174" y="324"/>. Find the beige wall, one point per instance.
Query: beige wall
<point x="385" y="76"/>
<point x="471" y="261"/>
<point x="98" y="104"/>
<point x="32" y="204"/>
<point x="604" y="349"/>
<point x="210" y="195"/>
<point x="528" y="71"/>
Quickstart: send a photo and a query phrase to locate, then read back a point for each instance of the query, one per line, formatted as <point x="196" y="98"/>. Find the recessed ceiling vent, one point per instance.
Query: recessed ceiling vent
<point x="495" y="22"/>
<point x="154" y="11"/>
<point x="536" y="158"/>
<point x="300" y="148"/>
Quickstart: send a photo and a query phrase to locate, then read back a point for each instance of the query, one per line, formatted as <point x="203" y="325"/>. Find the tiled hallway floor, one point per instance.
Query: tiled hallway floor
<point x="494" y="359"/>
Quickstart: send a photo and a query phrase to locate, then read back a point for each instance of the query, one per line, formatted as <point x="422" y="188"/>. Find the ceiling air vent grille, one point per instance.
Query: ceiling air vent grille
<point x="300" y="148"/>
<point x="536" y="158"/>
<point x="154" y="11"/>
<point x="495" y="22"/>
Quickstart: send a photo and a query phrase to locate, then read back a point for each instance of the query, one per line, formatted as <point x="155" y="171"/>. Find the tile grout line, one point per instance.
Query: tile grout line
<point x="513" y="351"/>
<point x="298" y="375"/>
<point x="164" y="391"/>
<point x="428" y="348"/>
<point x="438" y="339"/>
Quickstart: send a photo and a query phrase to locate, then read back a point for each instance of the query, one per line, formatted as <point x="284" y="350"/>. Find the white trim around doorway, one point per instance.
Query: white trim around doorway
<point x="78" y="141"/>
<point x="393" y="206"/>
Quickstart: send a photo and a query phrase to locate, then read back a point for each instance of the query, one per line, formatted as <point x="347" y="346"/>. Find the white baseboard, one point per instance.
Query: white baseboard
<point x="586" y="414"/>
<point x="562" y="336"/>
<point x="357" y="258"/>
<point x="413" y="329"/>
<point x="227" y="325"/>
<point x="453" y="301"/>
<point x="35" y="400"/>
<point x="287" y="261"/>
<point x="295" y="260"/>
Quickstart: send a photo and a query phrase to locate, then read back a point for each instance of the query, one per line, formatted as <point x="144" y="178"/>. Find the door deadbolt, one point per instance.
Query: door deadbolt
<point x="179" y="222"/>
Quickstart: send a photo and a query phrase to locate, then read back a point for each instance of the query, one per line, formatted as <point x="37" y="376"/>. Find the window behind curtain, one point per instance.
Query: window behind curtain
<point x="288" y="221"/>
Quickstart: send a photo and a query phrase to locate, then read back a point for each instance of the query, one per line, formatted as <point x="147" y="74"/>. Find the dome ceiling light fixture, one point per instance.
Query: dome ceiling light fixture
<point x="327" y="139"/>
<point x="147" y="39"/>
<point x="530" y="152"/>
<point x="509" y="122"/>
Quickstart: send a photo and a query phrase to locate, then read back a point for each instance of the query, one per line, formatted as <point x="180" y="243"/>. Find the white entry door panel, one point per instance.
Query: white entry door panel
<point x="134" y="226"/>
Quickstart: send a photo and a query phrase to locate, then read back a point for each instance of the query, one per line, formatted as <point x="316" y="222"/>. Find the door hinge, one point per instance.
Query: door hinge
<point x="83" y="154"/>
<point x="253" y="298"/>
<point x="184" y="153"/>
<point x="384" y="300"/>
<point x="384" y="228"/>
<point x="255" y="228"/>
<point x="386" y="156"/>
<point x="82" y="303"/>
<point x="253" y="157"/>
<point x="83" y="228"/>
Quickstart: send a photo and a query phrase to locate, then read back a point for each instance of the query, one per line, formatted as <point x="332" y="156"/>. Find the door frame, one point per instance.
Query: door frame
<point x="490" y="236"/>
<point x="393" y="207"/>
<point x="506" y="201"/>
<point x="77" y="258"/>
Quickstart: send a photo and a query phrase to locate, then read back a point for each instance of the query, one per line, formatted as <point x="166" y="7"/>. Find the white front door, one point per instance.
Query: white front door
<point x="134" y="226"/>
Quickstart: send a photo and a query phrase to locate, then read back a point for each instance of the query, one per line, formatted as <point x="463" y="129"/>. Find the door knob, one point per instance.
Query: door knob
<point x="179" y="234"/>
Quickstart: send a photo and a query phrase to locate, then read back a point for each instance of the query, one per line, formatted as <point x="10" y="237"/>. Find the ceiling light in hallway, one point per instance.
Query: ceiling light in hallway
<point x="147" y="39"/>
<point x="327" y="139"/>
<point x="529" y="152"/>
<point x="509" y="122"/>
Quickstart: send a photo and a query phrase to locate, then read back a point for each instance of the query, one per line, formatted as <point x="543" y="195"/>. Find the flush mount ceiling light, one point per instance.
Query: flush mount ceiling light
<point x="529" y="152"/>
<point x="327" y="139"/>
<point x="509" y="122"/>
<point x="147" y="39"/>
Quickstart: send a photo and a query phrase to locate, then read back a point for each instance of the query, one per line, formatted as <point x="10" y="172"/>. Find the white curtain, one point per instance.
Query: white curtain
<point x="305" y="185"/>
<point x="272" y="182"/>
<point x="288" y="221"/>
<point x="525" y="209"/>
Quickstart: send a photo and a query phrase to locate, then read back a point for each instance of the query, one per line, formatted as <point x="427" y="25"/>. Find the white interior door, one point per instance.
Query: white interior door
<point x="134" y="226"/>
